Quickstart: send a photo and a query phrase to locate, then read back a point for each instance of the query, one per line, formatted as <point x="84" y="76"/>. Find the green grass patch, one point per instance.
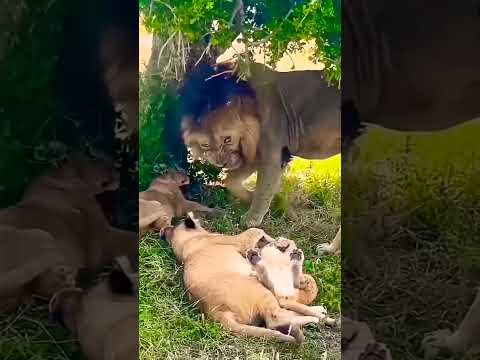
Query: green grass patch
<point x="415" y="199"/>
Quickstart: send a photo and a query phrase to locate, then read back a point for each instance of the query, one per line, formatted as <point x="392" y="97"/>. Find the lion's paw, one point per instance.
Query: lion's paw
<point x="250" y="219"/>
<point x="436" y="343"/>
<point x="324" y="249"/>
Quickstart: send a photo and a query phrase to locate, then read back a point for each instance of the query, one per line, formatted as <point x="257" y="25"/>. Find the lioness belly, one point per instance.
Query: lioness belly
<point x="226" y="291"/>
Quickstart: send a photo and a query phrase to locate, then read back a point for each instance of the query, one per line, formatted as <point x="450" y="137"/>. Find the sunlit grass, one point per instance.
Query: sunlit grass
<point x="417" y="198"/>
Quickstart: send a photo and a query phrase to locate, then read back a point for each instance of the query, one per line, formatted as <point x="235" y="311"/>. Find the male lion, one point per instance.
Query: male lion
<point x="258" y="125"/>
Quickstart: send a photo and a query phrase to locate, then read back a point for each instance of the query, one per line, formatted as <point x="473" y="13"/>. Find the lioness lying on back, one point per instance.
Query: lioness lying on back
<point x="163" y="200"/>
<point x="258" y="125"/>
<point x="219" y="277"/>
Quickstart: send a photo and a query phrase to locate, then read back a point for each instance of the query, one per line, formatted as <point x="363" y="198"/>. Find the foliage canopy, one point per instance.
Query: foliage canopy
<point x="277" y="26"/>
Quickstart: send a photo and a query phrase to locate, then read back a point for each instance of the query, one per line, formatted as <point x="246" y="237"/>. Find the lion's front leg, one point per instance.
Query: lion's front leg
<point x="268" y="184"/>
<point x="234" y="183"/>
<point x="464" y="340"/>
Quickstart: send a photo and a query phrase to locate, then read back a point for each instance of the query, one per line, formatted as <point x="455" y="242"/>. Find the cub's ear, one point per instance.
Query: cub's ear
<point x="190" y="221"/>
<point x="120" y="283"/>
<point x="253" y="256"/>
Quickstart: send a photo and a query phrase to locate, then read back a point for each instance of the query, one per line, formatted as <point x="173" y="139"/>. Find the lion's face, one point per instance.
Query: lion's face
<point x="225" y="138"/>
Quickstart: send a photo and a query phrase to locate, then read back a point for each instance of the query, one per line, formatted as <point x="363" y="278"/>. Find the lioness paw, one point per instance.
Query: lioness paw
<point x="297" y="256"/>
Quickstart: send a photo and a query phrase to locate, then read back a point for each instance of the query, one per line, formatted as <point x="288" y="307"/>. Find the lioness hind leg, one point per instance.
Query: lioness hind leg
<point x="229" y="321"/>
<point x="307" y="310"/>
<point x="464" y="339"/>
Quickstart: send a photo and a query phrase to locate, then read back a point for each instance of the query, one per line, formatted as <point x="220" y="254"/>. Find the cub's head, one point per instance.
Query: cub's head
<point x="100" y="175"/>
<point x="178" y="236"/>
<point x="172" y="177"/>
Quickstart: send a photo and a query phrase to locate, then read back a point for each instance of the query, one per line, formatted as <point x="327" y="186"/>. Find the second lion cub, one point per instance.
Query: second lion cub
<point x="163" y="200"/>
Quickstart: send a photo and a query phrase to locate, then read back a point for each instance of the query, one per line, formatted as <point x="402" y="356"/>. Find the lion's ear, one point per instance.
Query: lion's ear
<point x="250" y="138"/>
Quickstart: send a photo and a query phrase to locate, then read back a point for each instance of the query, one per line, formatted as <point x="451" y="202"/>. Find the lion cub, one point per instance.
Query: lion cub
<point x="279" y="266"/>
<point x="219" y="277"/>
<point x="164" y="200"/>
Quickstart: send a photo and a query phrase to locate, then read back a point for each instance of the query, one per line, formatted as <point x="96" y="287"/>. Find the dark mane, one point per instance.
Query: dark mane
<point x="199" y="96"/>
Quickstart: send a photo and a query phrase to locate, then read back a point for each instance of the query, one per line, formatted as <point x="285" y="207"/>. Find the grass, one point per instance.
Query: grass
<point x="415" y="199"/>
<point x="171" y="327"/>
<point x="28" y="334"/>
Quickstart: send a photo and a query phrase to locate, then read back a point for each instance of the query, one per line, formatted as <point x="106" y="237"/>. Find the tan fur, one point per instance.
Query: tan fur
<point x="220" y="279"/>
<point x="104" y="323"/>
<point x="26" y="257"/>
<point x="164" y="200"/>
<point x="61" y="207"/>
<point x="410" y="85"/>
<point x="279" y="266"/>
<point x="296" y="110"/>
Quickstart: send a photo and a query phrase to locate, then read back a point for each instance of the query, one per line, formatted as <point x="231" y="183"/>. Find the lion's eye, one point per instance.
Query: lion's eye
<point x="204" y="146"/>
<point x="227" y="140"/>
